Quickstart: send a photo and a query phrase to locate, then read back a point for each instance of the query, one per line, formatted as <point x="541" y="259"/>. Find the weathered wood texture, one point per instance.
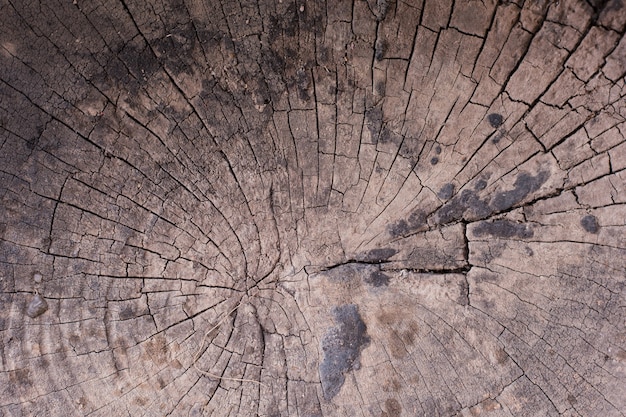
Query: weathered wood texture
<point x="381" y="208"/>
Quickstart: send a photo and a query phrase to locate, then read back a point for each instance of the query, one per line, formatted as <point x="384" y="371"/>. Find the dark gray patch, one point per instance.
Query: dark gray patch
<point x="524" y="185"/>
<point x="389" y="136"/>
<point x="446" y="192"/>
<point x="495" y="119"/>
<point x="349" y="274"/>
<point x="480" y="185"/>
<point x="374" y="122"/>
<point x="130" y="65"/>
<point x="438" y="149"/>
<point x="417" y="219"/>
<point x="353" y="274"/>
<point x="410" y="149"/>
<point x="342" y="347"/>
<point x="486" y="277"/>
<point x="464" y="293"/>
<point x="434" y="160"/>
<point x="385" y="136"/>
<point x="496" y="139"/>
<point x="377" y="279"/>
<point x="456" y="208"/>
<point x="380" y="88"/>
<point x="379" y="49"/>
<point x="399" y="228"/>
<point x="590" y="223"/>
<point x="377" y="255"/>
<point x="416" y="222"/>
<point x="139" y="59"/>
<point x="380" y="11"/>
<point x="176" y="49"/>
<point x="504" y="229"/>
<point x="127" y="313"/>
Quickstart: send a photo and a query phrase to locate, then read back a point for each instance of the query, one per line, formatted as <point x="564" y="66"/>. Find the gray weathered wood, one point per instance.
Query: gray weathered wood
<point x="280" y="207"/>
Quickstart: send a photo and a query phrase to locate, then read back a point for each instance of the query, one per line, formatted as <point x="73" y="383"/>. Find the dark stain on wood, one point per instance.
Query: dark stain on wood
<point x="380" y="88"/>
<point x="446" y="192"/>
<point x="379" y="50"/>
<point x="392" y="408"/>
<point x="374" y="122"/>
<point x="529" y="251"/>
<point x="380" y="10"/>
<point x="468" y="204"/>
<point x="127" y="313"/>
<point x="389" y="136"/>
<point x="590" y="224"/>
<point x="481" y="184"/>
<point x="503" y="229"/>
<point x="377" y="279"/>
<point x="524" y="185"/>
<point x="501" y="356"/>
<point x="463" y="293"/>
<point x="377" y="255"/>
<point x="138" y="59"/>
<point x="349" y="275"/>
<point x="415" y="223"/>
<point x="342" y="345"/>
<point x="495" y="120"/>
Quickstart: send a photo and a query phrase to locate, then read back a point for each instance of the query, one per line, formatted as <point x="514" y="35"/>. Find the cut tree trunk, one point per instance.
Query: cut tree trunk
<point x="308" y="208"/>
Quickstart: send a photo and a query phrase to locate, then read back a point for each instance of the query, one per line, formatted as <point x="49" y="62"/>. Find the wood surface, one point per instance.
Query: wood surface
<point x="312" y="208"/>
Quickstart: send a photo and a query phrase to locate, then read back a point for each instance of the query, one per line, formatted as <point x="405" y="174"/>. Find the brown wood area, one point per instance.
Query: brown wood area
<point x="312" y="208"/>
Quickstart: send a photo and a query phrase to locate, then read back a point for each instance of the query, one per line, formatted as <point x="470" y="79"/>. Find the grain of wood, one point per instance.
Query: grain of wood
<point x="359" y="208"/>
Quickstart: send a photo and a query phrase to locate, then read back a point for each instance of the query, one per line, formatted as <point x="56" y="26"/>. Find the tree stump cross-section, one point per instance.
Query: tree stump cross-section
<point x="313" y="208"/>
